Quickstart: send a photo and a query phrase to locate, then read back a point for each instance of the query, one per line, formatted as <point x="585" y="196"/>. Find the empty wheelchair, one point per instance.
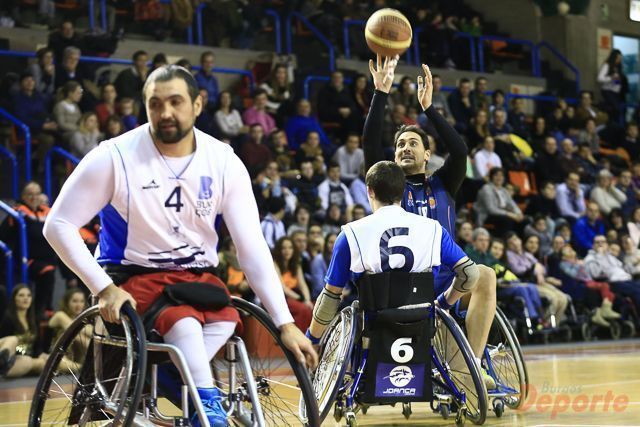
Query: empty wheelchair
<point x="393" y="346"/>
<point x="263" y="383"/>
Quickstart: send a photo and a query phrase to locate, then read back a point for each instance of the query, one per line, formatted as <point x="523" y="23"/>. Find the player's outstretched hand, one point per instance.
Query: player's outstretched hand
<point x="110" y="302"/>
<point x="300" y="346"/>
<point x="383" y="74"/>
<point x="425" y="88"/>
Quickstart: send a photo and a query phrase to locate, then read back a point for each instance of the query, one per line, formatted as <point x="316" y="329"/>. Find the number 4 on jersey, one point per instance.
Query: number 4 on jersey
<point x="173" y="201"/>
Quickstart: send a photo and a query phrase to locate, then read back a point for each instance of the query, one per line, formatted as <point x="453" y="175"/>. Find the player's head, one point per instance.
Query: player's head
<point x="385" y="184"/>
<point x="172" y="100"/>
<point x="411" y="149"/>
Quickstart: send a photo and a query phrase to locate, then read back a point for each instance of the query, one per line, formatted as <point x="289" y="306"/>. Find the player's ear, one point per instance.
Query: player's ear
<point x="197" y="105"/>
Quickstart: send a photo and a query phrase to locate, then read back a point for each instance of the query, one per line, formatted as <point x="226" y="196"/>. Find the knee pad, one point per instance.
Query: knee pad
<point x="467" y="274"/>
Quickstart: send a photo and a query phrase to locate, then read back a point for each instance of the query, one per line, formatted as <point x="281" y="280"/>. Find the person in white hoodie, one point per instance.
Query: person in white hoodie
<point x="605" y="194"/>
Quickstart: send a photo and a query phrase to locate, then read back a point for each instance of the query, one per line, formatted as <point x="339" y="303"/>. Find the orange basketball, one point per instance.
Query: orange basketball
<point x="388" y="32"/>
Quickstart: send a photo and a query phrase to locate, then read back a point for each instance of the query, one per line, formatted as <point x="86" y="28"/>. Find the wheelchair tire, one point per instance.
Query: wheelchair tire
<point x="282" y="403"/>
<point x="476" y="404"/>
<point x="87" y="389"/>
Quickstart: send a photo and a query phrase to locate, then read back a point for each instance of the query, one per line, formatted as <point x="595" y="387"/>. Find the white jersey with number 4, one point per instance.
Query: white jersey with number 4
<point x="160" y="217"/>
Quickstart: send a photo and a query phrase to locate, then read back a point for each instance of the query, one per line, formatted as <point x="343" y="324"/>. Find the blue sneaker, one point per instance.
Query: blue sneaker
<point x="212" y="402"/>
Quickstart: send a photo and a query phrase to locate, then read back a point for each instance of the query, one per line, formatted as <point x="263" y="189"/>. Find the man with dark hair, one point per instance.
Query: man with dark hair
<point x="253" y="150"/>
<point x="337" y="105"/>
<point x="64" y="37"/>
<point x="479" y="98"/>
<point x="205" y="78"/>
<point x="332" y="190"/>
<point x="461" y="105"/>
<point x="272" y="225"/>
<point x="432" y="196"/>
<point x="257" y="114"/>
<point x="305" y="187"/>
<point x="129" y="82"/>
<point x="159" y="189"/>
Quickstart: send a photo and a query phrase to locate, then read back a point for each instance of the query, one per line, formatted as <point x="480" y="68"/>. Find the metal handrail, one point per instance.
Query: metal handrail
<point x="472" y="47"/>
<point x="23" y="238"/>
<point x="9" y="261"/>
<point x="277" y="28"/>
<point x="361" y="23"/>
<point x="14" y="170"/>
<point x="482" y="39"/>
<point x="323" y="39"/>
<point x="27" y="141"/>
<point x="561" y="57"/>
<point x="47" y="166"/>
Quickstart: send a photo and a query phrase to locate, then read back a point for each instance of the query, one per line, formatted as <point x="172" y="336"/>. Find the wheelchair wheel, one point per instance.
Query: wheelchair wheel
<point x="334" y="355"/>
<point x="284" y="388"/>
<point x="503" y="357"/>
<point x="454" y="361"/>
<point x="104" y="387"/>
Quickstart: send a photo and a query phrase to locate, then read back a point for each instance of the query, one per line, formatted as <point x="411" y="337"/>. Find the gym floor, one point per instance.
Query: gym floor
<point x="590" y="384"/>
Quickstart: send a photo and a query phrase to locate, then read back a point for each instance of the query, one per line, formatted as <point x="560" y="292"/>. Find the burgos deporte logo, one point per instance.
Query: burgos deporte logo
<point x="400" y="376"/>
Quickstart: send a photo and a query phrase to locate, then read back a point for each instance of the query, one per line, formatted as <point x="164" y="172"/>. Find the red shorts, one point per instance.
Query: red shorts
<point x="146" y="288"/>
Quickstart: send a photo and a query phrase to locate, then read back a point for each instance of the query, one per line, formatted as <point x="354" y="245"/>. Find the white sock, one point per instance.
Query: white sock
<point x="187" y="335"/>
<point x="216" y="334"/>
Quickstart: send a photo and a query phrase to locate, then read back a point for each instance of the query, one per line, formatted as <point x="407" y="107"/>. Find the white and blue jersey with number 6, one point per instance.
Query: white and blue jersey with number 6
<point x="391" y="239"/>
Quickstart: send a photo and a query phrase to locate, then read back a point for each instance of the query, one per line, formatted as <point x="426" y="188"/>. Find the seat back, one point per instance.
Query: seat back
<point x="394" y="289"/>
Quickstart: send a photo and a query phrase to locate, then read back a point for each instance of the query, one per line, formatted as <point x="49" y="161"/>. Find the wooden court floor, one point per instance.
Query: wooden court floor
<point x="591" y="384"/>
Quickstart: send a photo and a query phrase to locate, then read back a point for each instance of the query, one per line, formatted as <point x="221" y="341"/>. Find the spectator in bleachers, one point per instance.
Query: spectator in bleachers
<point x="206" y="121"/>
<point x="107" y="105"/>
<point x="518" y="119"/>
<point x="231" y="272"/>
<point x="30" y="107"/>
<point x="320" y="265"/>
<point x="465" y="234"/>
<point x="586" y="228"/>
<point x="20" y="352"/>
<point x="613" y="84"/>
<point x="205" y="78"/>
<point x="587" y="164"/>
<point x="159" y="60"/>
<point x="350" y="157"/>
<point x="130" y="81"/>
<point x="87" y="136"/>
<point x="630" y="256"/>
<point x="586" y="109"/>
<point x="127" y="109"/>
<point x="63" y="38"/>
<point x="253" y="151"/>
<point x="44" y="73"/>
<point x="276" y="188"/>
<point x="358" y="190"/>
<point x="501" y="132"/>
<point x="589" y="135"/>
<point x="568" y="159"/>
<point x="73" y="303"/>
<point x="478" y="249"/>
<point x="299" y="126"/>
<point x="540" y="228"/>
<point x="114" y="128"/>
<point x="631" y="144"/>
<point x="228" y="119"/>
<point x="478" y="131"/>
<point x="486" y="159"/>
<point x="279" y="92"/>
<point x="405" y="94"/>
<point x="362" y="94"/>
<point x="497" y="102"/>
<point x="333" y="191"/>
<point x="67" y="112"/>
<point x="358" y="212"/>
<point x="336" y="105"/>
<point x="439" y="100"/>
<point x="479" y="97"/>
<point x="496" y="206"/>
<point x="301" y="220"/>
<point x="532" y="246"/>
<point x="277" y="143"/>
<point x="544" y="202"/>
<point x="186" y="64"/>
<point x="272" y="225"/>
<point x="539" y="134"/>
<point x="257" y="114"/>
<point x="602" y="265"/>
<point x="306" y="186"/>
<point x="300" y="243"/>
<point x="615" y="223"/>
<point x="397" y="117"/>
<point x="548" y="165"/>
<point x="626" y="185"/>
<point x="287" y="262"/>
<point x="527" y="267"/>
<point x="69" y="69"/>
<point x="460" y="105"/>
<point x="311" y="150"/>
<point x="333" y="220"/>
<point x="605" y="194"/>
<point x="633" y="227"/>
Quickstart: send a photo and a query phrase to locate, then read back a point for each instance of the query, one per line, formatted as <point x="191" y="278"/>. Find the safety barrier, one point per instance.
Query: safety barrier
<point x="27" y="141"/>
<point x="315" y="31"/>
<point x="55" y="151"/>
<point x="561" y="58"/>
<point x="22" y="234"/>
<point x="11" y="158"/>
<point x="277" y="28"/>
<point x="8" y="255"/>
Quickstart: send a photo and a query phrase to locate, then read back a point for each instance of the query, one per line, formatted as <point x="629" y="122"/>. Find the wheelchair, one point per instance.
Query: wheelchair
<point x="117" y="383"/>
<point x="392" y="346"/>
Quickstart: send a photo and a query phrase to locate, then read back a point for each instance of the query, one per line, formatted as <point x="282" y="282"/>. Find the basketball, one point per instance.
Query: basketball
<point x="388" y="32"/>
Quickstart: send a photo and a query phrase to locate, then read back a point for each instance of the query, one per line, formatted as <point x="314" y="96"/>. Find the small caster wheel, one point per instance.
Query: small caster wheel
<point x="585" y="331"/>
<point x="338" y="413"/>
<point x="461" y="418"/>
<point x="615" y="330"/>
<point x="364" y="409"/>
<point x="498" y="407"/>
<point x="351" y="419"/>
<point x="406" y="410"/>
<point x="444" y="412"/>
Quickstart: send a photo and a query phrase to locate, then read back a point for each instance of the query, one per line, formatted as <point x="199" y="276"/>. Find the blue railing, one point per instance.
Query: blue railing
<point x="27" y="141"/>
<point x="315" y="31"/>
<point x="482" y="39"/>
<point x="14" y="170"/>
<point x="472" y="46"/>
<point x="561" y="58"/>
<point x="277" y="28"/>
<point x="8" y="255"/>
<point x="346" y="37"/>
<point x="23" y="238"/>
<point x="55" y="151"/>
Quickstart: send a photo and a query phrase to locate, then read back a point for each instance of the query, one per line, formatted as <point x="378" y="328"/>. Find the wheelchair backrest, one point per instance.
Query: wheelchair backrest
<point x="394" y="289"/>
